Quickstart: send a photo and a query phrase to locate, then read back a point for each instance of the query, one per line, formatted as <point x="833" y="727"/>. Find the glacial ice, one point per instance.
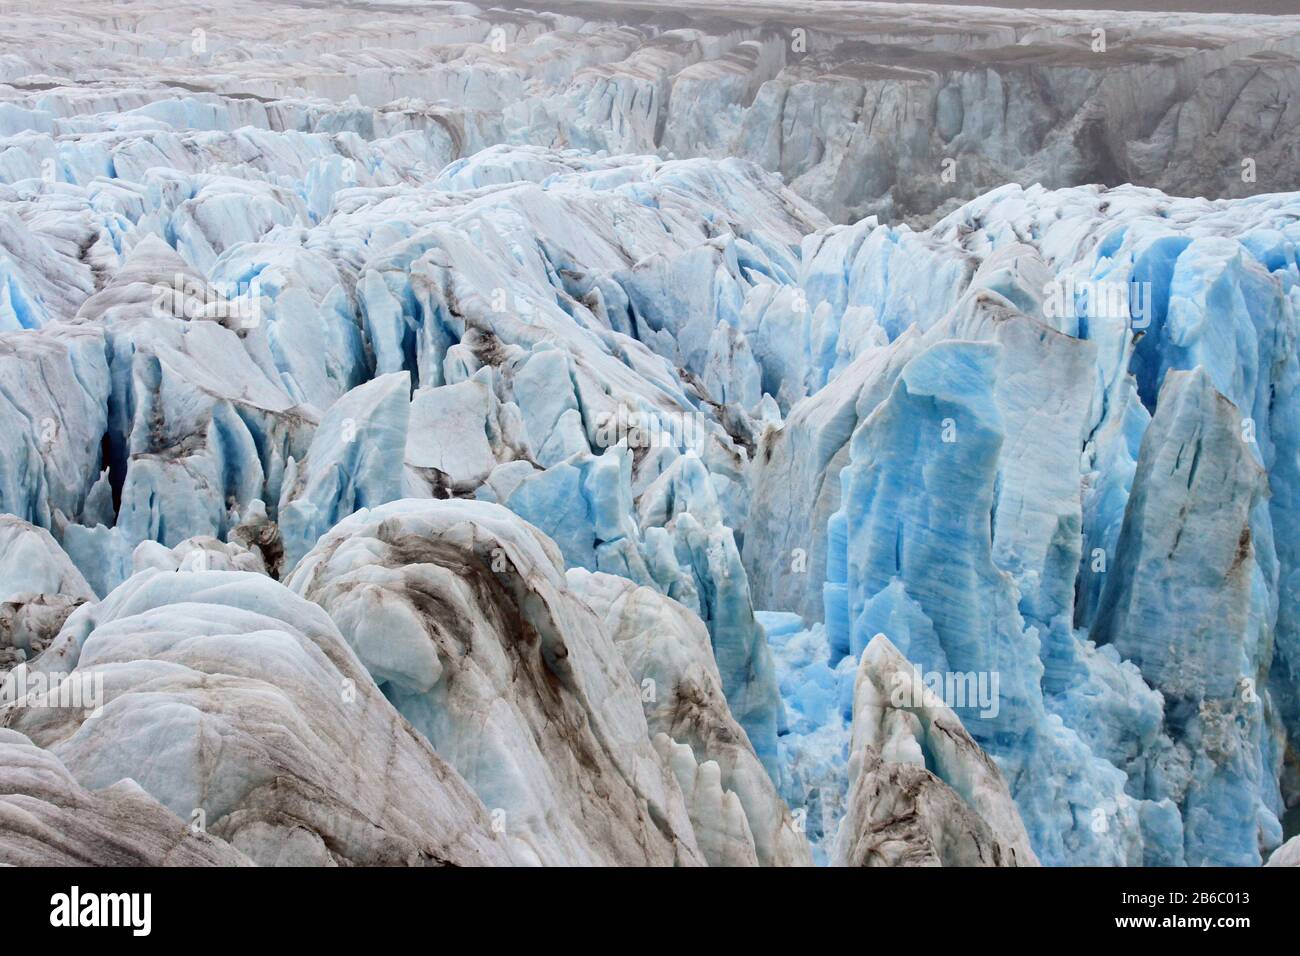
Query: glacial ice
<point x="693" y="714"/>
<point x="461" y="613"/>
<point x="1288" y="854"/>
<point x="216" y="688"/>
<point x="922" y="792"/>
<point x="51" y="820"/>
<point x="542" y="461"/>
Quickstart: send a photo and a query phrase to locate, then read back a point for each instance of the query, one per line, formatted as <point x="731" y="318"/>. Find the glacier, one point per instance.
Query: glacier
<point x="553" y="440"/>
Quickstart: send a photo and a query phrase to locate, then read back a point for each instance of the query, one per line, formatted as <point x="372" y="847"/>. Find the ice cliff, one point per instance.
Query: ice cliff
<point x="558" y="469"/>
<point x="946" y="102"/>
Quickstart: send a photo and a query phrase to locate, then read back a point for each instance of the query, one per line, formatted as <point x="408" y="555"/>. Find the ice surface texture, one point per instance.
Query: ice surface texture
<point x="857" y="105"/>
<point x="534" y="472"/>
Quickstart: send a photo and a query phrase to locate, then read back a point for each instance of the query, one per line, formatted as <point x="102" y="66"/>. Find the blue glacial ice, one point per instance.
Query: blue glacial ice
<point x="598" y="479"/>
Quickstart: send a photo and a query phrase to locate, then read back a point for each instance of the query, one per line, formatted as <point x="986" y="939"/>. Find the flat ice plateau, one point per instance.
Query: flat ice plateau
<point x="746" y="434"/>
